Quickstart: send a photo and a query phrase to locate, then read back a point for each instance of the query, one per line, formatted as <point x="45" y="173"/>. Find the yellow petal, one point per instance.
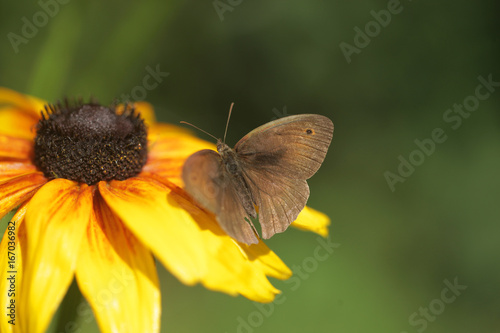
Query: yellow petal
<point x="233" y="268"/>
<point x="163" y="129"/>
<point x="167" y="141"/>
<point x="165" y="230"/>
<point x="117" y="275"/>
<point x="17" y="124"/>
<point x="12" y="249"/>
<point x="56" y="219"/>
<point x="144" y="108"/>
<point x="12" y="169"/>
<point x="17" y="190"/>
<point x="25" y="103"/>
<point x="169" y="147"/>
<point x="190" y="243"/>
<point x="15" y="148"/>
<point x="270" y="263"/>
<point x="312" y="220"/>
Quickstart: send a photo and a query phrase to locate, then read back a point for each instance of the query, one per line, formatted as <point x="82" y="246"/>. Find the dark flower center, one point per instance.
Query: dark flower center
<point x="88" y="143"/>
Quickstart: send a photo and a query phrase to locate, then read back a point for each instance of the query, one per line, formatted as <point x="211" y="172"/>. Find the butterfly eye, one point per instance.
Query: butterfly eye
<point x="309" y="131"/>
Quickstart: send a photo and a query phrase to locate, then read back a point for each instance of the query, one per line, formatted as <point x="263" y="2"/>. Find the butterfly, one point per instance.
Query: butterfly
<point x="264" y="175"/>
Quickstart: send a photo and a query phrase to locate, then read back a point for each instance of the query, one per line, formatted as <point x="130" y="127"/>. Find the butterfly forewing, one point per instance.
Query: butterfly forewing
<point x="294" y="146"/>
<point x="206" y="180"/>
<point x="276" y="159"/>
<point x="201" y="174"/>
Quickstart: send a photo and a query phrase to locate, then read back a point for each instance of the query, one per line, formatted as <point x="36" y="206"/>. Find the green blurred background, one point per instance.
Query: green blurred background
<point x="272" y="58"/>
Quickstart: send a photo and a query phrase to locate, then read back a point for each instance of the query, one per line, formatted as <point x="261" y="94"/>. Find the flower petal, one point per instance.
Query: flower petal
<point x="163" y="129"/>
<point x="25" y="103"/>
<point x="144" y="108"/>
<point x="12" y="169"/>
<point x="117" y="275"/>
<point x="17" y="124"/>
<point x="169" y="147"/>
<point x="190" y="243"/>
<point x="15" y="148"/>
<point x="167" y="141"/>
<point x="233" y="268"/>
<point x="143" y="208"/>
<point x="56" y="219"/>
<point x="312" y="220"/>
<point x="19" y="189"/>
<point x="270" y="263"/>
<point x="12" y="250"/>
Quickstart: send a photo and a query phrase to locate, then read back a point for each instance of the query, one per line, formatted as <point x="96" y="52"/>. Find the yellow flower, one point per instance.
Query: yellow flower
<point x="104" y="231"/>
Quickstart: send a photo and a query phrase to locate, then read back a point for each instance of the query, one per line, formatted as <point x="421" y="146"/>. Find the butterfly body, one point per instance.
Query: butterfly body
<point x="230" y="162"/>
<point x="267" y="168"/>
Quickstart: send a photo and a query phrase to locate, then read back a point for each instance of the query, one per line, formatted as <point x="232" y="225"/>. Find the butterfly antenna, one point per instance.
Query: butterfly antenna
<point x="227" y="124"/>
<point x="183" y="122"/>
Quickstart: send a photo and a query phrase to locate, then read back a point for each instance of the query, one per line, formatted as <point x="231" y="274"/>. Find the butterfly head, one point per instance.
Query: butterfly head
<point x="222" y="148"/>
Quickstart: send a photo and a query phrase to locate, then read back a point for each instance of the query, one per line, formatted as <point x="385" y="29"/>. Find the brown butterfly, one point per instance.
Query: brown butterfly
<point x="267" y="169"/>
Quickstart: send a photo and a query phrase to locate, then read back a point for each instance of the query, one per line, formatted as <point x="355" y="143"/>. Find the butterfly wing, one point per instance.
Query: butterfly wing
<point x="233" y="218"/>
<point x="276" y="159"/>
<point x="206" y="180"/>
<point x="279" y="201"/>
<point x="202" y="176"/>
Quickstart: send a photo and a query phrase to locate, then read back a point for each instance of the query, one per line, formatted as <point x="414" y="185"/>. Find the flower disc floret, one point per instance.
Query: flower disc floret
<point x="89" y="143"/>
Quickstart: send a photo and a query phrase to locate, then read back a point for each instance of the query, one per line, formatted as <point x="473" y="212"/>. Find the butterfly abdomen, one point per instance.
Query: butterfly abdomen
<point x="234" y="173"/>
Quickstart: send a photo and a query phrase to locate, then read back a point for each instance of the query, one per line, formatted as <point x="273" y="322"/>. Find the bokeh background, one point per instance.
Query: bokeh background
<point x="395" y="248"/>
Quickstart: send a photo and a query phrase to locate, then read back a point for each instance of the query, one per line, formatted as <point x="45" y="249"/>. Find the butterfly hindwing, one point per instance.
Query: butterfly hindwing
<point x="233" y="218"/>
<point x="279" y="201"/>
<point x="276" y="160"/>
